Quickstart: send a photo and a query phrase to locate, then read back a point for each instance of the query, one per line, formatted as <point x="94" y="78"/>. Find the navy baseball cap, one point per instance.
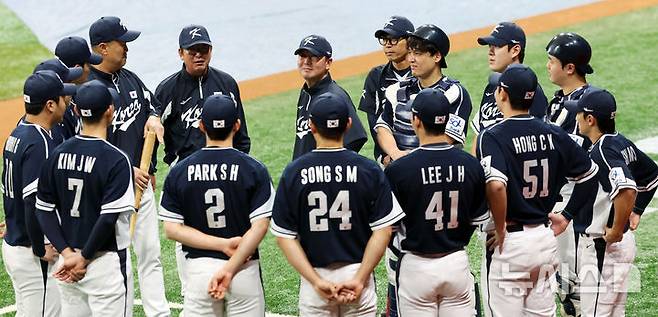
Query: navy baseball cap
<point x="432" y="107"/>
<point x="219" y="112"/>
<point x="192" y="35"/>
<point x="395" y="27"/>
<point x="519" y="81"/>
<point x="45" y="85"/>
<point x="504" y="33"/>
<point x="329" y="111"/>
<point x="73" y="50"/>
<point x="316" y="45"/>
<point x="108" y="29"/>
<point x="598" y="102"/>
<point x="93" y="98"/>
<point x="67" y="74"/>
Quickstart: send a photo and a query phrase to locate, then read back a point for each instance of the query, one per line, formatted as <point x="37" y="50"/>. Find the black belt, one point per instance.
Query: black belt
<point x="520" y="227"/>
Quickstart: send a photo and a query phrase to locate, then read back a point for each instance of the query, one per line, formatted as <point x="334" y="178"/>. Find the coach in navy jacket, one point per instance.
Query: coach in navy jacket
<point x="182" y="95"/>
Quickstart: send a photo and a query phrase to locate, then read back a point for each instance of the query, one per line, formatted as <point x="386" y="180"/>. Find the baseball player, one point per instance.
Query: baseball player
<point x="217" y="203"/>
<point x="84" y="199"/>
<point x="66" y="127"/>
<point x="627" y="181"/>
<point x="332" y="216"/>
<point x="74" y="51"/>
<point x="428" y="47"/>
<point x="393" y="38"/>
<point x="136" y="112"/>
<point x="28" y="259"/>
<point x="568" y="65"/>
<point x="526" y="161"/>
<point x="441" y="190"/>
<point x="506" y="47"/>
<point x="313" y="62"/>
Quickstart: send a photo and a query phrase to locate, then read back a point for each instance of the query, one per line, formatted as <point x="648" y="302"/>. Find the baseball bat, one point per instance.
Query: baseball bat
<point x="147" y="152"/>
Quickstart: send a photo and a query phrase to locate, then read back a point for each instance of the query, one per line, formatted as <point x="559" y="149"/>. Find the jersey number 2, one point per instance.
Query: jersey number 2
<point x="340" y="209"/>
<point x="434" y="210"/>
<point x="215" y="198"/>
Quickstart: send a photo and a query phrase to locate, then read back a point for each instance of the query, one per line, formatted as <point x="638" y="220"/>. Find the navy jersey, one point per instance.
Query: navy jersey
<point x="622" y="165"/>
<point x="441" y="191"/>
<point x="332" y="200"/>
<point x="355" y="137"/>
<point x="25" y="152"/>
<point x="218" y="191"/>
<point x="489" y="114"/>
<point x="397" y="115"/>
<point x="372" y="97"/>
<point x="182" y="97"/>
<point x="136" y="105"/>
<point x="534" y="160"/>
<point x="84" y="178"/>
<point x="559" y="115"/>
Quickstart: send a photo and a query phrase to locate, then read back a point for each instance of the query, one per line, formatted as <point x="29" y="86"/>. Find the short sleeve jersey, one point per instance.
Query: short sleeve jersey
<point x="441" y="191"/>
<point x="84" y="178"/>
<point x="218" y="191"/>
<point x="332" y="200"/>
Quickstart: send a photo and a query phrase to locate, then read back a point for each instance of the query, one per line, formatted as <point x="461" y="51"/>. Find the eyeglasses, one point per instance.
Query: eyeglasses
<point x="383" y="41"/>
<point x="201" y="49"/>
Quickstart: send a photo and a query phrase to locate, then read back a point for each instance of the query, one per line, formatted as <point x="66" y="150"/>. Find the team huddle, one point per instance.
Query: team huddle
<point x="551" y="188"/>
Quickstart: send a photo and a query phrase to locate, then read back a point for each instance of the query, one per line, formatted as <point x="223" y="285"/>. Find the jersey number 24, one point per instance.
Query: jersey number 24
<point x="340" y="209"/>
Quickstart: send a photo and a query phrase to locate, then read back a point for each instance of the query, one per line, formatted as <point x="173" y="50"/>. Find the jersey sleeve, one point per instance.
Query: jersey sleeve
<point x="462" y="107"/>
<point x="285" y="220"/>
<point x="119" y="194"/>
<point x="491" y="158"/>
<point x="368" y="101"/>
<point x="46" y="197"/>
<point x="356" y="136"/>
<point x="263" y="198"/>
<point x="170" y="204"/>
<point x="479" y="213"/>
<point x="385" y="120"/>
<point x="34" y="157"/>
<point x="475" y="122"/>
<point x="616" y="174"/>
<point x="386" y="209"/>
<point x="539" y="104"/>
<point x="241" y="141"/>
<point x="581" y="167"/>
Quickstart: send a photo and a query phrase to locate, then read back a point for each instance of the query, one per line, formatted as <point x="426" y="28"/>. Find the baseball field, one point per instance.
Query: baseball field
<point x="624" y="59"/>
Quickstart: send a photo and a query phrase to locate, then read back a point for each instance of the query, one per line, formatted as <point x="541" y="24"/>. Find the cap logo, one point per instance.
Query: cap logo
<point x="333" y="123"/>
<point x="529" y="95"/>
<point x="218" y="124"/>
<point x="195" y="32"/>
<point x="26" y="98"/>
<point x="390" y="22"/>
<point x="613" y="114"/>
<point x="85" y="112"/>
<point x="309" y="40"/>
<point x="439" y="119"/>
<point x="495" y="29"/>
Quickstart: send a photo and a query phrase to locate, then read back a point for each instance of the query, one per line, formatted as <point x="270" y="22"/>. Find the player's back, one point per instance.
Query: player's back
<point x="335" y="198"/>
<point x="84" y="175"/>
<point x="20" y="175"/>
<point x="441" y="191"/>
<point x="218" y="191"/>
<point x="534" y="159"/>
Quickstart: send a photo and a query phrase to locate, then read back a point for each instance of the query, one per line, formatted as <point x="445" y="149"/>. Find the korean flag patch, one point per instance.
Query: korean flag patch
<point x="332" y="123"/>
<point x="218" y="124"/>
<point x="616" y="176"/>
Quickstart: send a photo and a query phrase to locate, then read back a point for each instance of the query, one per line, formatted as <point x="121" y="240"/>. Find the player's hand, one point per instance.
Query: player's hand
<point x="386" y="160"/>
<point x="612" y="236"/>
<point x="326" y="289"/>
<point x="2" y="229"/>
<point x="141" y="178"/>
<point x="229" y="246"/>
<point x="154" y="124"/>
<point x="219" y="283"/>
<point x="73" y="269"/>
<point x="51" y="253"/>
<point x="152" y="177"/>
<point x="634" y="220"/>
<point x="558" y="223"/>
<point x="496" y="240"/>
<point x="349" y="291"/>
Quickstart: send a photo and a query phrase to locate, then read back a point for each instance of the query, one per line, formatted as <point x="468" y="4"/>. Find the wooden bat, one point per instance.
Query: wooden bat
<point x="147" y="152"/>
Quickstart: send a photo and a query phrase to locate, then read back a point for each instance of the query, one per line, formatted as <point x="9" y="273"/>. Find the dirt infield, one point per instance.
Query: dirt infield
<point x="11" y="110"/>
